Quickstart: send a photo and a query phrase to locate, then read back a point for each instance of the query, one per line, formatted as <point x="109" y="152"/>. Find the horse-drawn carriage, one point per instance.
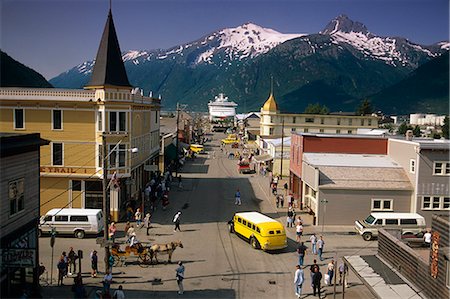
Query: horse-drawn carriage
<point x="145" y="254"/>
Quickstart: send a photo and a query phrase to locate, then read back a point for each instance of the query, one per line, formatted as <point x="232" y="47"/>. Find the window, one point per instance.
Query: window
<point x="156" y="117"/>
<point x="382" y="204"/>
<point x="293" y="129"/>
<point x="349" y="131"/>
<point x="57" y="120"/>
<point x="93" y="195"/>
<point x="379" y="222"/>
<point x="350" y="122"/>
<point x="391" y="221"/>
<point x="61" y="218"/>
<point x="16" y="196"/>
<point x="19" y="119"/>
<point x="258" y="230"/>
<point x="76" y="185"/>
<point x="322" y="121"/>
<point x="309" y="120"/>
<point x="338" y="121"/>
<point x="369" y="122"/>
<point x="57" y="154"/>
<point x="441" y="168"/>
<point x="408" y="221"/>
<point x="79" y="218"/>
<point x="321" y="130"/>
<point x="253" y="226"/>
<point x="249" y="225"/>
<point x="412" y="166"/>
<point x="100" y="121"/>
<point x="436" y="203"/>
<point x="362" y="122"/>
<point x="239" y="220"/>
<point x="338" y="131"/>
<point x="293" y="120"/>
<point x="270" y="131"/>
<point x="306" y="130"/>
<point x="244" y="222"/>
<point x="271" y="232"/>
<point x="117" y="121"/>
<point x="48" y="218"/>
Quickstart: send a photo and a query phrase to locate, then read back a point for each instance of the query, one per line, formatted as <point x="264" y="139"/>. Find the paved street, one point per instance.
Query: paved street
<point x="218" y="264"/>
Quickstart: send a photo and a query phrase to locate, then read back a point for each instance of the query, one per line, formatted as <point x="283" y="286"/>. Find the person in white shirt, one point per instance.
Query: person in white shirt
<point x="313" y="240"/>
<point x="119" y="294"/>
<point x="427" y="238"/>
<point x="299" y="278"/>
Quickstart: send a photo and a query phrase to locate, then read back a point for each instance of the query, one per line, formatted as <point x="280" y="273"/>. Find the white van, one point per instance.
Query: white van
<point x="409" y="223"/>
<point x="77" y="222"/>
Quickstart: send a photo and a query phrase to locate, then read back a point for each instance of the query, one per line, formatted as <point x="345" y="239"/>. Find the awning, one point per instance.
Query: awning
<point x="170" y="152"/>
<point x="263" y="158"/>
<point x="251" y="145"/>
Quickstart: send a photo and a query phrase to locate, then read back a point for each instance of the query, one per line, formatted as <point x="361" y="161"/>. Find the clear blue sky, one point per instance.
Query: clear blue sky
<point x="52" y="36"/>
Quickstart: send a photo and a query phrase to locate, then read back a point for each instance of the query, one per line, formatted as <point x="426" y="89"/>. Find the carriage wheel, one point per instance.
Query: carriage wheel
<point x="116" y="260"/>
<point x="144" y="260"/>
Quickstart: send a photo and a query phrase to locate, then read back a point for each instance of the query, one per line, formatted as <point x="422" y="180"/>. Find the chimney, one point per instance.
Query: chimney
<point x="409" y="135"/>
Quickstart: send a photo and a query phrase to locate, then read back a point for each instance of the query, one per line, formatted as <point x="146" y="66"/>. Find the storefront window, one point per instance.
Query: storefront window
<point x="93" y="195"/>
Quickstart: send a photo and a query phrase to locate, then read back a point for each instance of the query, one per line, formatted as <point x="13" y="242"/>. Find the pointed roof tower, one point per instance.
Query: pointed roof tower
<point x="109" y="70"/>
<point x="271" y="104"/>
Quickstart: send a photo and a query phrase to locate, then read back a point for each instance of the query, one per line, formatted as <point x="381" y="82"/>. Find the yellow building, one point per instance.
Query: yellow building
<point x="272" y="122"/>
<point x="75" y="121"/>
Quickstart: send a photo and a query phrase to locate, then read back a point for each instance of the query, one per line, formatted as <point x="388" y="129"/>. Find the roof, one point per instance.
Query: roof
<point x="277" y="141"/>
<point x="16" y="143"/>
<point x="263" y="158"/>
<point x="256" y="217"/>
<point x="364" y="178"/>
<point x="392" y="215"/>
<point x="73" y="211"/>
<point x="350" y="160"/>
<point x="109" y="69"/>
<point x="270" y="104"/>
<point x="324" y="135"/>
<point x="438" y="144"/>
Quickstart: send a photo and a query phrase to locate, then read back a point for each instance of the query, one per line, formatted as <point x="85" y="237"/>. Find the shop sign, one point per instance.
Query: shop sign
<point x="434" y="254"/>
<point x="23" y="257"/>
<point x="62" y="169"/>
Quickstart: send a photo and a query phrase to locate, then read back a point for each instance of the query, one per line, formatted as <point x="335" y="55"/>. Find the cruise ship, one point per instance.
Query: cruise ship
<point x="221" y="109"/>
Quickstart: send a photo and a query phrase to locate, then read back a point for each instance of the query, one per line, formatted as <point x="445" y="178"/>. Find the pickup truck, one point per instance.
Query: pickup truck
<point x="244" y="167"/>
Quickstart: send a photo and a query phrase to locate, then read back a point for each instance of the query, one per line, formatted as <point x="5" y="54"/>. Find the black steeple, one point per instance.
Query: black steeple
<point x="109" y="70"/>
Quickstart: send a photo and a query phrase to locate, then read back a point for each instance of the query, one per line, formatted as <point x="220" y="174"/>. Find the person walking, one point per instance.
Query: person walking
<point x="343" y="270"/>
<point x="180" y="276"/>
<point x="147" y="222"/>
<point x="94" y="263"/>
<point x="176" y="220"/>
<point x="112" y="231"/>
<point x="286" y="187"/>
<point x="317" y="277"/>
<point x="311" y="269"/>
<point x="299" y="232"/>
<point x="237" y="197"/>
<point x="299" y="278"/>
<point x="301" y="250"/>
<point x="130" y="232"/>
<point x="119" y="294"/>
<point x="320" y="245"/>
<point x="427" y="238"/>
<point x="66" y="263"/>
<point x="61" y="271"/>
<point x="290" y="213"/>
<point x="72" y="257"/>
<point x="107" y="279"/>
<point x="330" y="269"/>
<point x="138" y="217"/>
<point x="313" y="240"/>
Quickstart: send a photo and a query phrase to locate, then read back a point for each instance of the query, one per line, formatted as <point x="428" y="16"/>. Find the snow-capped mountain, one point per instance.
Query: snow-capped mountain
<point x="392" y="50"/>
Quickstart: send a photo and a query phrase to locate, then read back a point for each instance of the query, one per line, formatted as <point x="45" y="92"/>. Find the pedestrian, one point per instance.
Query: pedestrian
<point x="270" y="179"/>
<point x="299" y="221"/>
<point x="313" y="240"/>
<point x="94" y="261"/>
<point x="180" y="277"/>
<point x="330" y="272"/>
<point x="299" y="232"/>
<point x="317" y="277"/>
<point x="290" y="213"/>
<point x="107" y="282"/>
<point x="277" y="200"/>
<point x="72" y="257"/>
<point x="110" y="261"/>
<point x="320" y="245"/>
<point x="138" y="217"/>
<point x="237" y="197"/>
<point x="112" y="231"/>
<point x="301" y="250"/>
<point x="286" y="187"/>
<point x="176" y="220"/>
<point x="427" y="238"/>
<point x="282" y="200"/>
<point x="180" y="185"/>
<point x="61" y="271"/>
<point x="127" y="226"/>
<point x="147" y="222"/>
<point x="130" y="232"/>
<point x="299" y="278"/>
<point x="119" y="294"/>
<point x="343" y="270"/>
<point x="66" y="262"/>
<point x="311" y="269"/>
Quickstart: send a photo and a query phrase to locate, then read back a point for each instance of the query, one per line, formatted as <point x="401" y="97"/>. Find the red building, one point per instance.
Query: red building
<point x="320" y="143"/>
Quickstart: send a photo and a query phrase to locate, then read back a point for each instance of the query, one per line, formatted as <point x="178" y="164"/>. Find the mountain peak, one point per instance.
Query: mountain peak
<point x="343" y="23"/>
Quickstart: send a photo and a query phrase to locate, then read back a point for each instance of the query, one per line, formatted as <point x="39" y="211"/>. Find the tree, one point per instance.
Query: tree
<point x="416" y="131"/>
<point x="316" y="109"/>
<point x="445" y="128"/>
<point x="403" y="128"/>
<point x="365" y="107"/>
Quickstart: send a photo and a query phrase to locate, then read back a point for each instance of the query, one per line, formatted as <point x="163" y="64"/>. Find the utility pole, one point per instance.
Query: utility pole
<point x="106" y="208"/>
<point x="282" y="147"/>
<point x="178" y="121"/>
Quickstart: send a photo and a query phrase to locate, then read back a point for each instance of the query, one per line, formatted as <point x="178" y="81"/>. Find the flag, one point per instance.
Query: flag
<point x="114" y="181"/>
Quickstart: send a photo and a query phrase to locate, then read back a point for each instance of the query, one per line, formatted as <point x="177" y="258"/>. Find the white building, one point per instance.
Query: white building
<point x="426" y="119"/>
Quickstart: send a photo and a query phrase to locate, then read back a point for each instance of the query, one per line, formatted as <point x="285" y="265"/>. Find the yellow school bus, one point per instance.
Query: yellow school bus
<point x="260" y="230"/>
<point x="197" y="148"/>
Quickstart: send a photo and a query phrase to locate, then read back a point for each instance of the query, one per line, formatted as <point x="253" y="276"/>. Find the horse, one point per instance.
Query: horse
<point x="168" y="248"/>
